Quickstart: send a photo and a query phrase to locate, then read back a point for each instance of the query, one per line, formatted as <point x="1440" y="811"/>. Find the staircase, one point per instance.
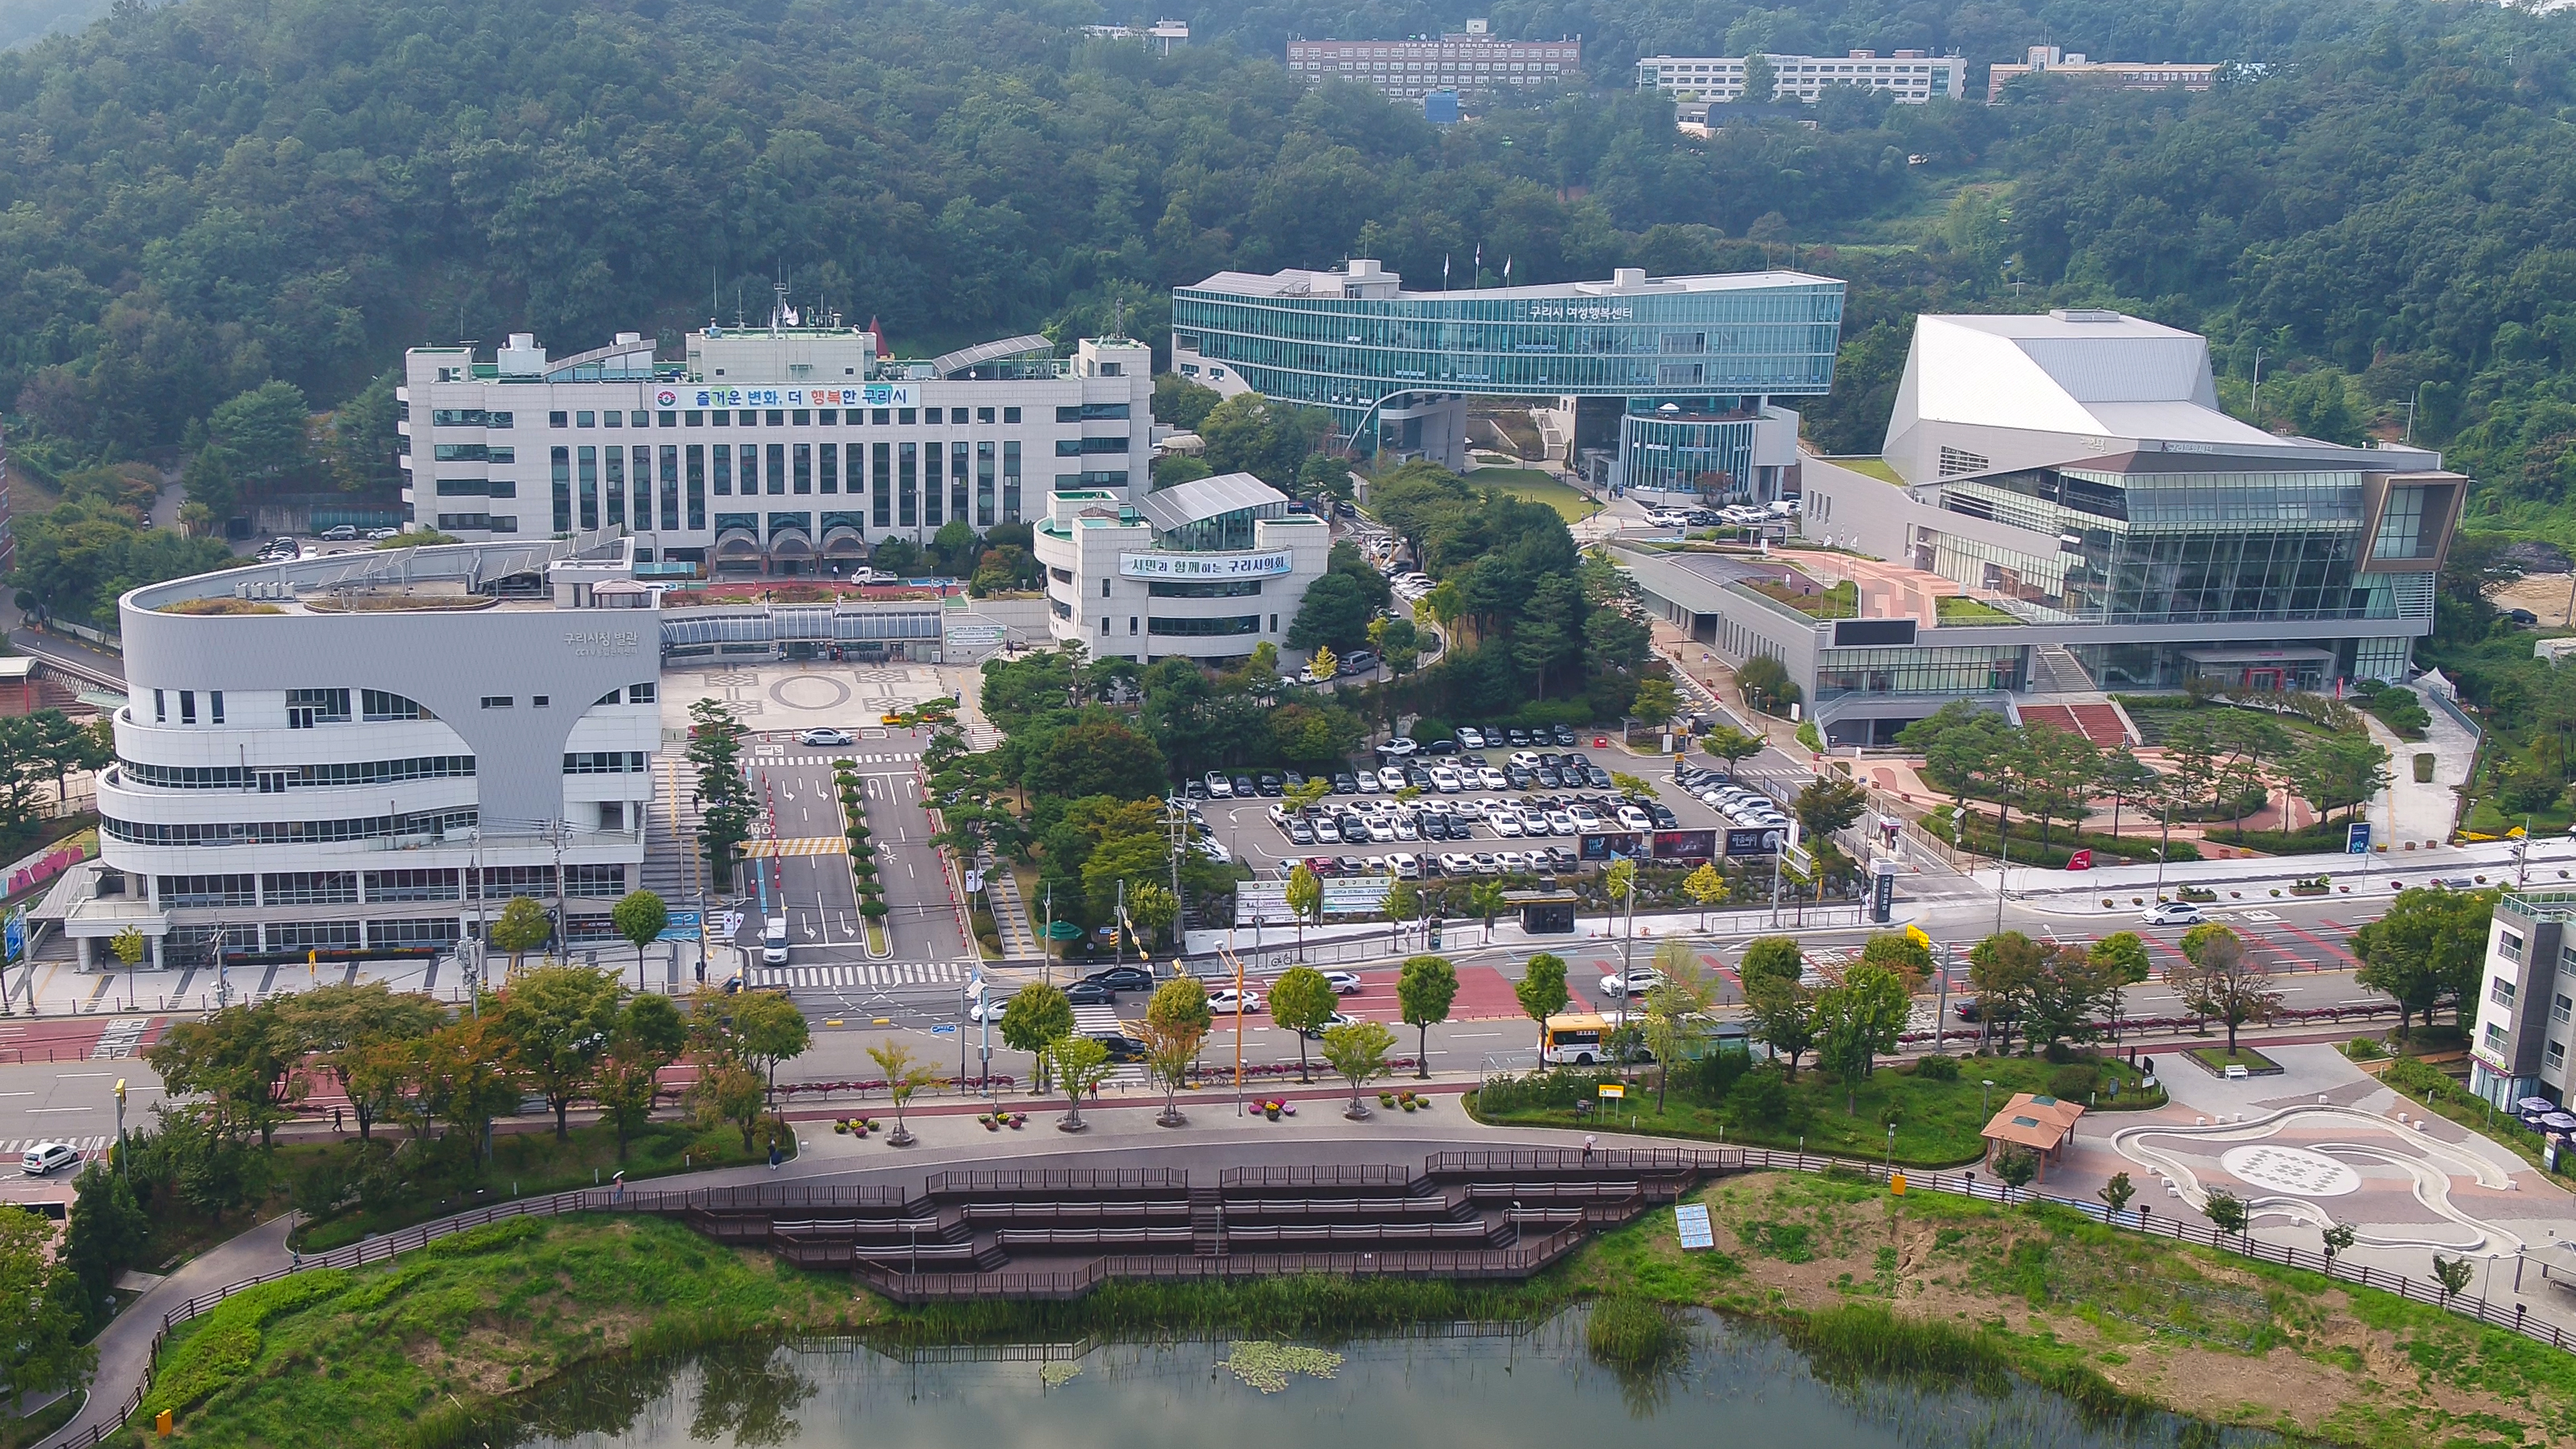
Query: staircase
<point x="671" y="866"/>
<point x="2055" y="670"/>
<point x="1207" y="1223"/>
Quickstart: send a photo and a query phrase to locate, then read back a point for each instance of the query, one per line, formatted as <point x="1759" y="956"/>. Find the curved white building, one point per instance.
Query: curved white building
<point x="1208" y="570"/>
<point x="370" y="752"/>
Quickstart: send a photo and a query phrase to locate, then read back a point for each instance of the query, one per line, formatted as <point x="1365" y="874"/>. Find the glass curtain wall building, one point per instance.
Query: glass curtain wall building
<point x="1395" y="367"/>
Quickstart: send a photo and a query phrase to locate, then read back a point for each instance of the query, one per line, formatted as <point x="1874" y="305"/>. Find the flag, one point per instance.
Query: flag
<point x="1507" y="271"/>
<point x="1480" y="264"/>
<point x="1444" y="271"/>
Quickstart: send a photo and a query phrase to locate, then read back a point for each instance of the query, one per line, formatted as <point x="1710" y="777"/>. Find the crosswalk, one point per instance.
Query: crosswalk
<point x="1103" y="1021"/>
<point x="876" y="759"/>
<point x="869" y="974"/>
<point x="123" y="1035"/>
<point x="89" y="1146"/>
<point x="812" y="845"/>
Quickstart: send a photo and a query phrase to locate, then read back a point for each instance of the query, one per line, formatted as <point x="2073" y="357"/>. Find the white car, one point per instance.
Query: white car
<point x="1398" y="748"/>
<point x="1635" y="819"/>
<point x="1585" y="817"/>
<point x="1637" y="982"/>
<point x="1406" y="866"/>
<point x="1381" y="829"/>
<point x="1407" y="828"/>
<point x="1344" y="983"/>
<point x="1390" y="779"/>
<point x="1222" y="1002"/>
<point x="1487" y="865"/>
<point x="1506" y="824"/>
<point x="1470" y="737"/>
<point x="1489" y="778"/>
<point x="1512" y="861"/>
<point x="1534" y="822"/>
<point x="1526" y="759"/>
<point x="1327" y="830"/>
<point x="1445" y="780"/>
<point x="1560" y="822"/>
<point x="2172" y="913"/>
<point x="1455" y="863"/>
<point x="47" y="1157"/>
<point x="824" y="736"/>
<point x="1219" y="786"/>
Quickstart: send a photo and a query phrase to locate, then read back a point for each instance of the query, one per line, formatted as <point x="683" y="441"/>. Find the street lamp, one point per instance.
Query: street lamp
<point x="1982" y="1092"/>
<point x="1889" y="1166"/>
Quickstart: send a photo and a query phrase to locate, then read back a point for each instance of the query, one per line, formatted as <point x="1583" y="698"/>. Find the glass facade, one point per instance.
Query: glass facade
<point x="1711" y="455"/>
<point x="1351" y="354"/>
<point x="1972" y="670"/>
<point x="2185" y="548"/>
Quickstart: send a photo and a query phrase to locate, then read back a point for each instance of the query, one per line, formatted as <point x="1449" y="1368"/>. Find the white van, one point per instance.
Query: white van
<point x="773" y="941"/>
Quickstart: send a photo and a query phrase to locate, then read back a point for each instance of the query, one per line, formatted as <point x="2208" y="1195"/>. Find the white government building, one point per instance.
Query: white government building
<point x="1210" y="569"/>
<point x="1910" y="76"/>
<point x="779" y="449"/>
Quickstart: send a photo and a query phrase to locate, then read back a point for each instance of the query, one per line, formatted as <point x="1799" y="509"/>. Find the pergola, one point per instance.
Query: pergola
<point x="2043" y="1124"/>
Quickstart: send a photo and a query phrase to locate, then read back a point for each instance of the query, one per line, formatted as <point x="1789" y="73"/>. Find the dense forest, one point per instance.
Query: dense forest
<point x="208" y="197"/>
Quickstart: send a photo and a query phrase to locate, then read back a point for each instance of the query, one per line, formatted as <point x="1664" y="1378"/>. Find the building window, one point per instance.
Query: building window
<point x="1011" y="476"/>
<point x="1010" y="415"/>
<point x="670" y="485"/>
<point x="215" y="706"/>
<point x="640" y="693"/>
<point x="908" y="482"/>
<point x="185" y="891"/>
<point x="594" y="880"/>
<point x="540" y="701"/>
<point x="563" y="488"/>
<point x="643" y="487"/>
<point x="934" y="488"/>
<point x="697" y="487"/>
<point x="2559" y="1007"/>
<point x="160" y="708"/>
<point x="415" y="885"/>
<point x="497" y="701"/>
<point x="604" y="762"/>
<point x="310" y="888"/>
<point x="383" y="704"/>
<point x="306" y="708"/>
<point x="1207" y="628"/>
<point x="313" y="936"/>
<point x="187" y="706"/>
<point x="2557" y="1055"/>
<point x="500" y="882"/>
<point x="880" y="483"/>
<point x="589" y="476"/>
<point x="724" y="469"/>
<point x="2495" y="1037"/>
<point x="2509" y="945"/>
<point x="831" y="467"/>
<point x="431" y="931"/>
<point x="1216" y="589"/>
<point x="804" y="467"/>
<point x="2500" y="991"/>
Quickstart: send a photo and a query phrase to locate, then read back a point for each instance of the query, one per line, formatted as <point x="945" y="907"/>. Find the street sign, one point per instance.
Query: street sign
<point x="974" y="881"/>
<point x="1612" y="1091"/>
<point x="682" y="926"/>
<point x="2356" y="838"/>
<point x="945" y="1028"/>
<point x="1690" y="1222"/>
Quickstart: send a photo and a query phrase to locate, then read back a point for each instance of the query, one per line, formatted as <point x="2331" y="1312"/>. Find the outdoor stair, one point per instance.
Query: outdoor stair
<point x="2054" y="669"/>
<point x="1207" y="1223"/>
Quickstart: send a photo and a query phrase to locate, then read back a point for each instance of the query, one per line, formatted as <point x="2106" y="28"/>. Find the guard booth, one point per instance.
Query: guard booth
<point x="1543" y="913"/>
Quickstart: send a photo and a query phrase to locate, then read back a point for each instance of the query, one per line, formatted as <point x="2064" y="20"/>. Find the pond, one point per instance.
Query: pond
<point x="1451" y="1385"/>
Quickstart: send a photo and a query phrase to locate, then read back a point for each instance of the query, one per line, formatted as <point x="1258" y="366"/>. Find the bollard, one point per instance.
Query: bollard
<point x="161" y="1423"/>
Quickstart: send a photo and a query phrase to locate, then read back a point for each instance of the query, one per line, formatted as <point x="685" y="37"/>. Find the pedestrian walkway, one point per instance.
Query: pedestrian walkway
<point x="1097" y="1021"/>
<point x="1010" y="912"/>
<point x="810" y="845"/>
<point x="869" y="974"/>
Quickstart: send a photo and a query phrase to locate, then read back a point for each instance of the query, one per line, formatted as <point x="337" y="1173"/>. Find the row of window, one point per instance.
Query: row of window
<point x="907" y="483"/>
<point x="277" y="779"/>
<point x="1191" y="628"/>
<point x="808" y="417"/>
<point x="604" y="762"/>
<point x="305" y="708"/>
<point x="288" y="832"/>
<point x="340" y="887"/>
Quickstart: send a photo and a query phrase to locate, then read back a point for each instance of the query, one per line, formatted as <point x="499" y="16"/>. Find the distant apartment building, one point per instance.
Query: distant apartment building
<point x="1163" y="36"/>
<point x="2127" y="75"/>
<point x="1470" y="61"/>
<point x="1911" y="76"/>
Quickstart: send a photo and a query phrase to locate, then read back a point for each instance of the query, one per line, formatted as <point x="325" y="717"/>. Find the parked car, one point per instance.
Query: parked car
<point x="2172" y="913"/>
<point x="345" y="533"/>
<point x="821" y="735"/>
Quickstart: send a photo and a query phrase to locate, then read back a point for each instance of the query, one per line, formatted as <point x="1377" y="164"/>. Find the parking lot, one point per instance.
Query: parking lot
<point x="1462" y="811"/>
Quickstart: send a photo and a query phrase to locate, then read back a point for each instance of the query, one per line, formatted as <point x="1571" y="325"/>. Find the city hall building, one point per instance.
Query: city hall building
<point x="1209" y="570"/>
<point x="1679" y="377"/>
<point x="781" y="449"/>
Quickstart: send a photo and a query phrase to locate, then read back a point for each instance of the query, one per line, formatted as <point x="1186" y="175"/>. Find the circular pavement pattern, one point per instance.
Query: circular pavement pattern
<point x="810" y="692"/>
<point x="2292" y="1170"/>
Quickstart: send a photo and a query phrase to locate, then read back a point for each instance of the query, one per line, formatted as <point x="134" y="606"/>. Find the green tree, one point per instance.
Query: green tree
<point x="649" y="1035"/>
<point x="1424" y="989"/>
<point x="1301" y="1001"/>
<point x="1305" y="897"/>
<point x="1772" y="957"/>
<point x="768" y="1030"/>
<point x="2016" y="1166"/>
<point x="556" y="1020"/>
<point x="2124" y="777"/>
<point x="1541" y="990"/>
<point x="2004" y="968"/>
<point x="640" y="917"/>
<point x="1759" y="81"/>
<point x="1656" y="702"/>
<point x="2429" y="947"/>
<point x="42" y="1352"/>
<point x="1830" y="803"/>
<point x="1707" y="886"/>
<point x="105" y="1236"/>
<point x="1486" y="899"/>
<point x="1726" y="742"/>
<point x="232" y="1071"/>
<point x="2338" y="772"/>
<point x="2225" y="1211"/>
<point x="522" y="926"/>
<point x="2121" y="958"/>
<point x="469" y="1075"/>
<point x="1154" y="907"/>
<point x="1357" y="1052"/>
<point x="2117" y="1192"/>
<point x="904" y="1075"/>
<point x="1182" y="403"/>
<point x="2220" y="978"/>
<point x="1035" y="1015"/>
<point x="1904" y="952"/>
<point x="724" y="798"/>
<point x="1077" y="1063"/>
<point x="1177" y="1019"/>
<point x="1860" y="1020"/>
<point x="1335" y="615"/>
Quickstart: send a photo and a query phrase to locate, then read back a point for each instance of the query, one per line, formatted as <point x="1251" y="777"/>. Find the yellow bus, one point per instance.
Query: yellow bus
<point x="1574" y="1039"/>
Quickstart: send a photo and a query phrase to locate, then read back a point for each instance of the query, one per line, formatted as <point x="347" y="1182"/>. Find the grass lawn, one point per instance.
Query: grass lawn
<point x="1530" y="485"/>
<point x="1961" y="610"/>
<point x="2093" y="1311"/>
<point x="396" y="1353"/>
<point x="526" y="1164"/>
<point x="2432" y="1087"/>
<point x="2219" y="1059"/>
<point x="2542" y="824"/>
<point x="1869" y="468"/>
<point x="1937" y="1123"/>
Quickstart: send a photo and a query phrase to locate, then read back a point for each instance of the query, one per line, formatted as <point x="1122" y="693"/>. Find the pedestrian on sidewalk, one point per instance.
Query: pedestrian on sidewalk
<point x="335" y="1119"/>
<point x="1588" y="1141"/>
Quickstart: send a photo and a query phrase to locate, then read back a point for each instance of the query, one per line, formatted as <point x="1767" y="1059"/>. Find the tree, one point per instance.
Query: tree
<point x="1486" y="899"/>
<point x="1656" y="702"/>
<point x="1541" y="990"/>
<point x="1759" y="81"/>
<point x="231" y="1071"/>
<point x="2070" y="988"/>
<point x="1773" y="958"/>
<point x="1305" y="898"/>
<point x="640" y="917"/>
<point x="1726" y="742"/>
<point x="727" y="1091"/>
<point x="2016" y="1166"/>
<point x="128" y="946"/>
<point x="2004" y="968"/>
<point x="1707" y="886"/>
<point x="1783" y="1014"/>
<point x="1097" y="758"/>
<point x="2124" y="777"/>
<point x="2430" y="947"/>
<point x="2220" y="978"/>
<point x="648" y="1036"/>
<point x="1324" y="664"/>
<point x="1860" y="1020"/>
<point x="556" y="1020"/>
<point x="1249" y="433"/>
<point x="1035" y="1015"/>
<point x="1152" y="905"/>
<point x="2117" y="1192"/>
<point x="1177" y="1019"/>
<point x="1906" y="953"/>
<point x="1424" y="988"/>
<point x="1182" y="403"/>
<point x="1302" y="1001"/>
<point x="42" y="1351"/>
<point x="1078" y="1063"/>
<point x="2121" y="958"/>
<point x="105" y="1236"/>
<point x="469" y="1075"/>
<point x="2337" y="1236"/>
<point x="767" y="1030"/>
<point x="1335" y="616"/>
<point x="522" y="926"/>
<point x="904" y="1075"/>
<point x="1681" y="994"/>
<point x="2225" y="1210"/>
<point x="1618" y="885"/>
<point x="341" y="1025"/>
<point x="1765" y="684"/>
<point x="1357" y="1051"/>
<point x="1829" y="804"/>
<point x="2453" y="1274"/>
<point x="724" y="798"/>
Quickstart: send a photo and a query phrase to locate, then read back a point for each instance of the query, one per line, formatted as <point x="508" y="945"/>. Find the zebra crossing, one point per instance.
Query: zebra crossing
<point x="870" y="974"/>
<point x="87" y="1146"/>
<point x="123" y="1035"/>
<point x="876" y="759"/>
<point x="1103" y="1021"/>
<point x="809" y="845"/>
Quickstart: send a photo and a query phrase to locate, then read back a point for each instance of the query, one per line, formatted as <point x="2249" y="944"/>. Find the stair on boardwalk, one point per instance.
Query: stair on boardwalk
<point x="1207" y="1222"/>
<point x="670" y="835"/>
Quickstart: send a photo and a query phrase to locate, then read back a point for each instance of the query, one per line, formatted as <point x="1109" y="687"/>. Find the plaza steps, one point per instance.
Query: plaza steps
<point x="2054" y="669"/>
<point x="1058" y="1232"/>
<point x="2100" y="722"/>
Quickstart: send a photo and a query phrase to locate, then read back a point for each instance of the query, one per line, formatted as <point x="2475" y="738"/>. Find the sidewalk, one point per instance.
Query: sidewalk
<point x="2378" y="874"/>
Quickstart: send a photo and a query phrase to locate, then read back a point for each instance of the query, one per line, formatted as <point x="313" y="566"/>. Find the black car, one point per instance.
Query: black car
<point x="1662" y="815"/>
<point x="1565" y="736"/>
<point x="1122" y="1048"/>
<point x="1123" y="978"/>
<point x="1441" y="747"/>
<point x="1195" y="790"/>
<point x="1345" y="784"/>
<point x="1598" y="776"/>
<point x="1519" y="778"/>
<point x="1087" y="993"/>
<point x="1548" y="777"/>
<point x="1243" y="787"/>
<point x="1517" y="737"/>
<point x="1270" y="784"/>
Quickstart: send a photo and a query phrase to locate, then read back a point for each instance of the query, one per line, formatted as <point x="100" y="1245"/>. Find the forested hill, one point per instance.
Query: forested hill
<point x="203" y="197"/>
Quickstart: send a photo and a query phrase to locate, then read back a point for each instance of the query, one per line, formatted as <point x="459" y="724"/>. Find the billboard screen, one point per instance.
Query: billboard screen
<point x="1685" y="844"/>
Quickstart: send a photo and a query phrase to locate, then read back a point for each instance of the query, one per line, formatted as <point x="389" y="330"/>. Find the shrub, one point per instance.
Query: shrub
<point x="2073" y="1082"/>
<point x="1938" y="1069"/>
